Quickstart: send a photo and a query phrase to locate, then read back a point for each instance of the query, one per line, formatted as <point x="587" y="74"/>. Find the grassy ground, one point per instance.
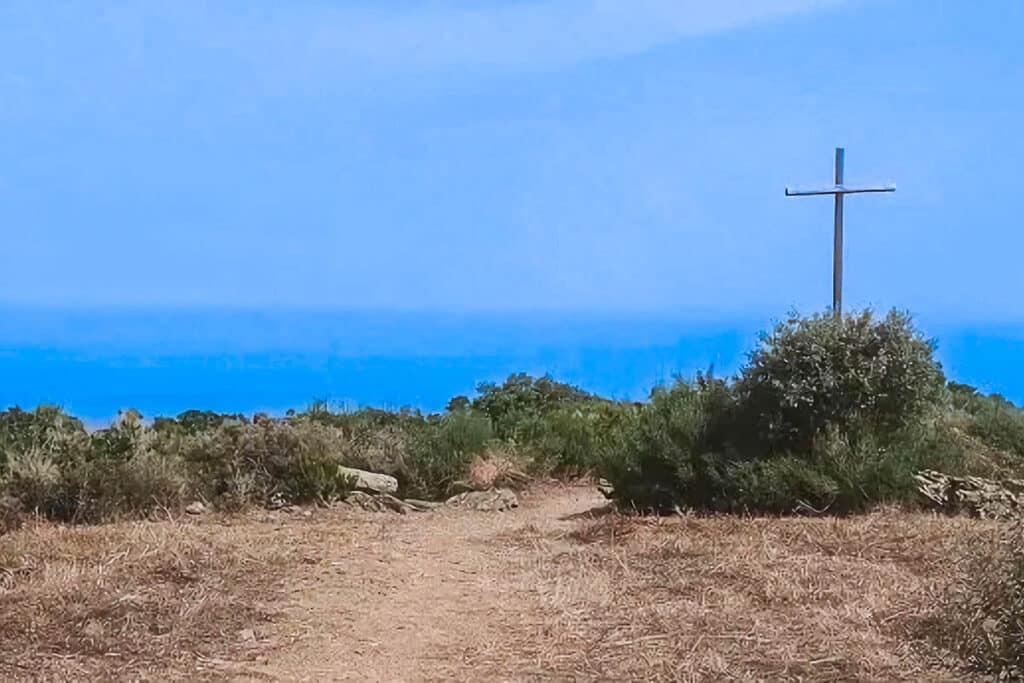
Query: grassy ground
<point x="135" y="600"/>
<point x="558" y="589"/>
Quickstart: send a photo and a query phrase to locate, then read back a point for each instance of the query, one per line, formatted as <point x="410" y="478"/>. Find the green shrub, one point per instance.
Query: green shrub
<point x="65" y="474"/>
<point x="193" y="421"/>
<point x="829" y="414"/>
<point x="778" y="485"/>
<point x="148" y="479"/>
<point x="35" y="478"/>
<point x="663" y="455"/>
<point x="381" y="448"/>
<point x="47" y="428"/>
<point x="315" y="477"/>
<point x="993" y="420"/>
<point x="853" y="372"/>
<point x="248" y="463"/>
<point x="867" y="469"/>
<point x="566" y="441"/>
<point x="46" y="454"/>
<point x="520" y="400"/>
<point x="441" y="450"/>
<point x="667" y="461"/>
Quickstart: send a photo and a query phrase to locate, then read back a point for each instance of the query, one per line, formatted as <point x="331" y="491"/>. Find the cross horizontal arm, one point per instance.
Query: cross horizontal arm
<point x="839" y="189"/>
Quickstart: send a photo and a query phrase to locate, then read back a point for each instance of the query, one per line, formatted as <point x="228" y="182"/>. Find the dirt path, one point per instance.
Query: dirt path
<point x="551" y="591"/>
<point x="411" y="599"/>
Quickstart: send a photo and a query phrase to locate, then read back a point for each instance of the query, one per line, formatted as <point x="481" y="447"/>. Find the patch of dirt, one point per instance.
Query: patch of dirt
<point x="559" y="588"/>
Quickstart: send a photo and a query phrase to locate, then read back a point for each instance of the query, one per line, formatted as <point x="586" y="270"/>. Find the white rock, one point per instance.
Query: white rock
<point x="195" y="508"/>
<point x="370" y="481"/>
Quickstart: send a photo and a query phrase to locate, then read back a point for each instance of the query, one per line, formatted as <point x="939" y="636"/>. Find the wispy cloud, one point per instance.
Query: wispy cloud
<point x="536" y="33"/>
<point x="278" y="45"/>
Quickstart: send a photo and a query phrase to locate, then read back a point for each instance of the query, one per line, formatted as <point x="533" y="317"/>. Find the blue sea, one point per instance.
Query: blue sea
<point x="163" y="362"/>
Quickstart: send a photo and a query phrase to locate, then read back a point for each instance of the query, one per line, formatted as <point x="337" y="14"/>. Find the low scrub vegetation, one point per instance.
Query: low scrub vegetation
<point x="828" y="414"/>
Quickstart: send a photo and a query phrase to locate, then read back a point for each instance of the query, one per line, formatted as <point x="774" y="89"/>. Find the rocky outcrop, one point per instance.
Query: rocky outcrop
<point x="977" y="496"/>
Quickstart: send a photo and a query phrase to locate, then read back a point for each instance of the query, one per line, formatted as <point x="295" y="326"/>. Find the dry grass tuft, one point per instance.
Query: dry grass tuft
<point x="730" y="598"/>
<point x="495" y="467"/>
<point x="10" y="514"/>
<point x="134" y="600"/>
<point x="981" y="615"/>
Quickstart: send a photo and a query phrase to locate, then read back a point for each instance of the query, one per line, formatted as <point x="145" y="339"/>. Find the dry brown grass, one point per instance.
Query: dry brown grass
<point x="495" y="467"/>
<point x="142" y="600"/>
<point x="728" y="598"/>
<point x="10" y="514"/>
<point x="542" y="592"/>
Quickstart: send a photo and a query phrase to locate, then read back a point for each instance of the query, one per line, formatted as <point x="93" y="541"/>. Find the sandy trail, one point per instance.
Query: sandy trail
<point x="553" y="590"/>
<point x="557" y="591"/>
<point x="415" y="598"/>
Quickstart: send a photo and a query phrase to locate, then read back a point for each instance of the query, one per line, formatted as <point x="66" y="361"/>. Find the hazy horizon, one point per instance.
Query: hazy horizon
<point x="163" y="363"/>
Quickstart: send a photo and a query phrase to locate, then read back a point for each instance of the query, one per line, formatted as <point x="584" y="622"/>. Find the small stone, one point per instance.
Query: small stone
<point x="195" y="508"/>
<point x="247" y="635"/>
<point x="378" y="503"/>
<point x="365" y="501"/>
<point x="307" y="513"/>
<point x="495" y="500"/>
<point x="422" y="505"/>
<point x="93" y="629"/>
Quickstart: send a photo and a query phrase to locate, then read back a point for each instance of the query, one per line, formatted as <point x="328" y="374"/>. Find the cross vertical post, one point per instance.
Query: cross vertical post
<point x="837" y="238"/>
<point x="839" y="191"/>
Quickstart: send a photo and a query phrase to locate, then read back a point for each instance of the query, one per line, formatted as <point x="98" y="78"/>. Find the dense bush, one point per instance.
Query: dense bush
<point x="664" y="454"/>
<point x="237" y="464"/>
<point x="441" y="451"/>
<point x="521" y="400"/>
<point x="849" y="372"/>
<point x="61" y="472"/>
<point x="830" y="413"/>
<point x="46" y="429"/>
<point x="993" y="419"/>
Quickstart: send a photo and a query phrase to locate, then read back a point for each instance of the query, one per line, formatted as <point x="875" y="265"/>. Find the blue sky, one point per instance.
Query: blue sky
<point x="248" y="205"/>
<point x="580" y="155"/>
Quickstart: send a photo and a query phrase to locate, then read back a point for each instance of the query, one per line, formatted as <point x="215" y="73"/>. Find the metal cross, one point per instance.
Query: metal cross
<point x="839" y="190"/>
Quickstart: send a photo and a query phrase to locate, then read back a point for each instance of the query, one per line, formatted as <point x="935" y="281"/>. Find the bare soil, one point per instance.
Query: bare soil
<point x="558" y="589"/>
